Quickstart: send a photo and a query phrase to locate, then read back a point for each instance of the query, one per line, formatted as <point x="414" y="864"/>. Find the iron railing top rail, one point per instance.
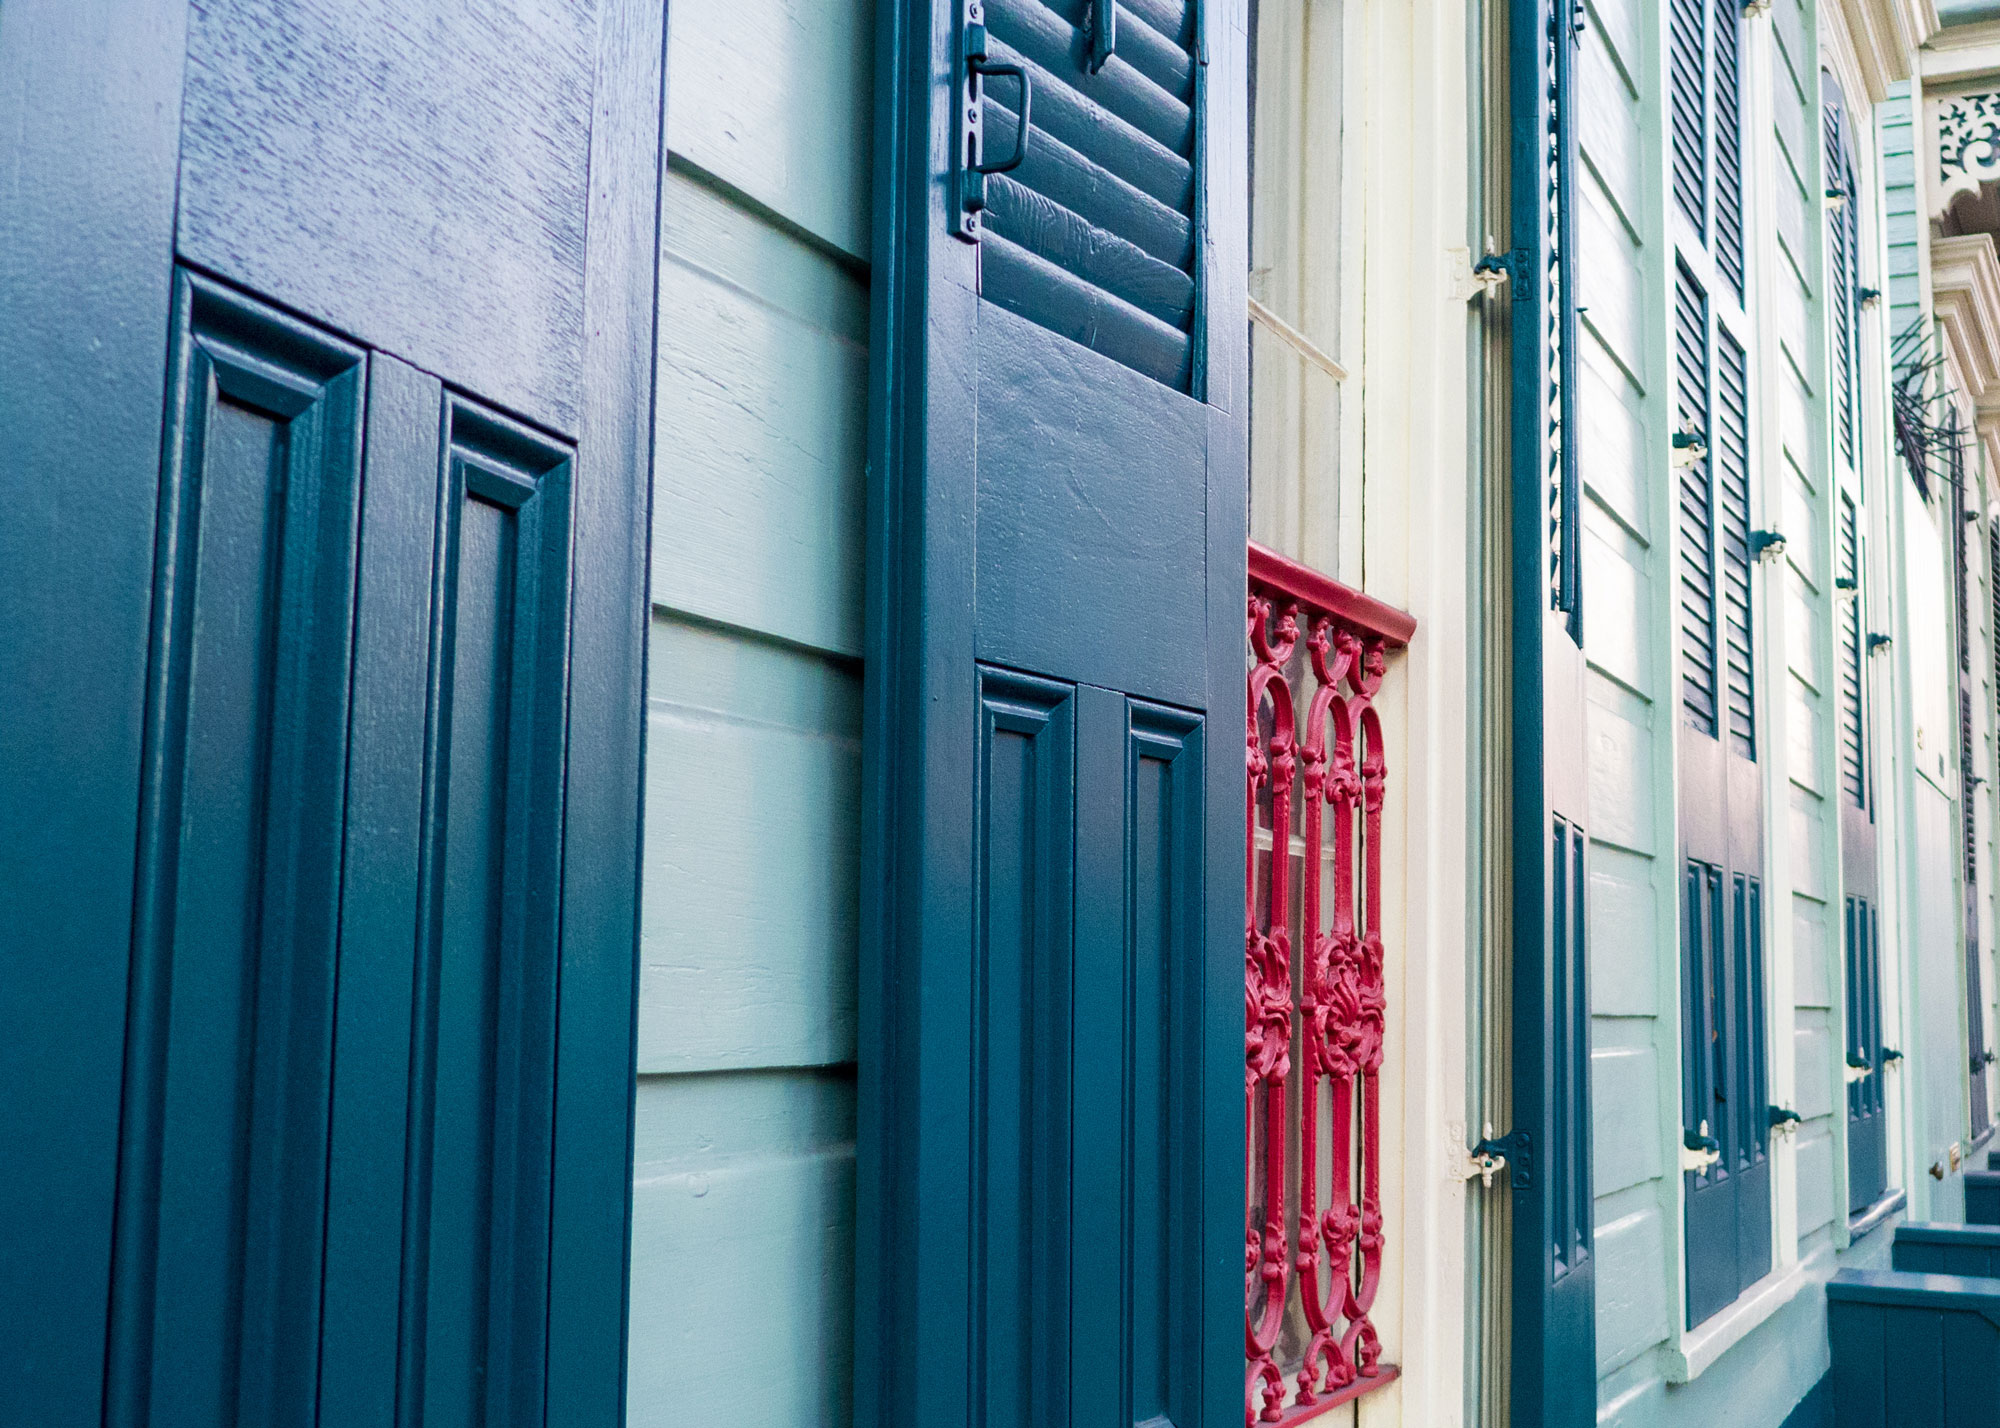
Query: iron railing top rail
<point x="1282" y="575"/>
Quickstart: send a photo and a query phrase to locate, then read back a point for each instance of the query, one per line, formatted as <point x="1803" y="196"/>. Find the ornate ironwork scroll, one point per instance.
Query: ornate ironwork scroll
<point x="1968" y="144"/>
<point x="1314" y="1008"/>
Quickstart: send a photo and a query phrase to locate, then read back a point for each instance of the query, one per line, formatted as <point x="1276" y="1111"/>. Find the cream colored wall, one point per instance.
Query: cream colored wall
<point x="1368" y="479"/>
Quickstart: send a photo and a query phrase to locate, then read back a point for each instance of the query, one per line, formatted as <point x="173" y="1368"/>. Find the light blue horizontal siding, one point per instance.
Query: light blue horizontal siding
<point x="743" y="1206"/>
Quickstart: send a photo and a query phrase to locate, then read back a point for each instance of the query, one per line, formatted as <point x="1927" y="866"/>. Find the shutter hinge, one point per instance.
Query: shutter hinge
<point x="1514" y="1150"/>
<point x="1699" y="1149"/>
<point x="1483" y="278"/>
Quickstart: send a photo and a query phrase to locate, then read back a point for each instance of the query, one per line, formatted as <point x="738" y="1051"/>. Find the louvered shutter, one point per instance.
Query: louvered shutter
<point x="1688" y="106"/>
<point x="1731" y="462"/>
<point x="1843" y="264"/>
<point x="1093" y="235"/>
<point x="1697" y="509"/>
<point x="1727" y="101"/>
<point x="1853" y="734"/>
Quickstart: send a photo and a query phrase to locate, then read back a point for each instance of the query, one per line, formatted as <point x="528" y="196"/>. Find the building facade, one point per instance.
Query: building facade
<point x="620" y="787"/>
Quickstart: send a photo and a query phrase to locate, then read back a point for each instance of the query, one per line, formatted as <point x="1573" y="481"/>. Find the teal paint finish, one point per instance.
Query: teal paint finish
<point x="383" y="823"/>
<point x="1913" y="1348"/>
<point x="1553" y="1353"/>
<point x="85" y="303"/>
<point x="1034" y="831"/>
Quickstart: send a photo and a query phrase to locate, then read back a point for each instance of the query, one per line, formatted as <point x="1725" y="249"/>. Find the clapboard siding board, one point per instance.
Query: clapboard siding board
<point x="773" y="97"/>
<point x="743" y="1207"/>
<point x="1812" y="954"/>
<point x="1631" y="1245"/>
<point x="741" y="1250"/>
<point x="1610" y="408"/>
<point x="1621" y="765"/>
<point x="1625" y="1148"/>
<point x="1815" y="1180"/>
<point x="1813" y="1057"/>
<point x="750" y="917"/>
<point x="1614" y="566"/>
<point x="1607" y="130"/>
<point x="1608" y="280"/>
<point x="1622" y="899"/>
<point x="761" y="427"/>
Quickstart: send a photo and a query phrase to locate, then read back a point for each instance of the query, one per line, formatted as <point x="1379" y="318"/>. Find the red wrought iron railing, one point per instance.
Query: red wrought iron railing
<point x="1313" y="990"/>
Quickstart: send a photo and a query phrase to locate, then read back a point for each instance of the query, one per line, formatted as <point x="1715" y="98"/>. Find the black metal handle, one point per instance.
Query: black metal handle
<point x="991" y="69"/>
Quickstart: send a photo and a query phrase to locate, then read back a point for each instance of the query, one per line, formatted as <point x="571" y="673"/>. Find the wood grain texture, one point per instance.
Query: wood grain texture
<point x="752" y="871"/>
<point x="760" y="426"/>
<point x="772" y="97"/>
<point x="412" y="176"/>
<point x="742" y="1252"/>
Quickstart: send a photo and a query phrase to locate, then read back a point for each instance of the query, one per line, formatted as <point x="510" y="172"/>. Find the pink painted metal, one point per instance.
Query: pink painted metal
<point x="1312" y="990"/>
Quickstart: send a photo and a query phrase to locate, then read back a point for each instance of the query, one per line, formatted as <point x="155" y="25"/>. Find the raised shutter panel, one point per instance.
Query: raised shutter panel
<point x="1093" y="235"/>
<point x="1730" y="458"/>
<point x="1688" y="109"/>
<point x="1728" y="98"/>
<point x="1853" y="745"/>
<point x="1697" y="516"/>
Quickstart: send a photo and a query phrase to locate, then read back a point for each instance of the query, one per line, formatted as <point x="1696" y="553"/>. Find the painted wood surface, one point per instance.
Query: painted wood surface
<point x="743" y="1207"/>
<point x="85" y="274"/>
<point x="377" y="902"/>
<point x="330" y="144"/>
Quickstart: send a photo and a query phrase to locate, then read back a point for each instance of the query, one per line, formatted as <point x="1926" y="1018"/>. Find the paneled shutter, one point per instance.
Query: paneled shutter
<point x="1551" y="1312"/>
<point x="1968" y="786"/>
<point x="1727" y="98"/>
<point x="1687" y="93"/>
<point x="1699" y="692"/>
<point x="1092" y="235"/>
<point x="1050" y="1115"/>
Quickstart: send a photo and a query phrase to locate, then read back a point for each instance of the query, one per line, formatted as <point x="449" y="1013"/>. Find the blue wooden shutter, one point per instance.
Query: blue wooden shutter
<point x="1050" y="1126"/>
<point x="1700" y="695"/>
<point x="1687" y="104"/>
<point x="1552" y="1314"/>
<point x="353" y="1115"/>
<point x="1093" y="235"/>
<point x="1853" y="668"/>
<point x="1726" y="99"/>
<point x="1731" y="462"/>
<point x="1843" y="264"/>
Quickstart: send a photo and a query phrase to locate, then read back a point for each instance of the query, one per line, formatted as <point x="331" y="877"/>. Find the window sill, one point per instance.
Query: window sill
<point x="1703" y="1345"/>
<point x="1871" y="1218"/>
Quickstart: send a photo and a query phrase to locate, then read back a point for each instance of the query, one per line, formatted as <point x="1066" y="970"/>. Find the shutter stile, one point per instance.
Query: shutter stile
<point x="1092" y="236"/>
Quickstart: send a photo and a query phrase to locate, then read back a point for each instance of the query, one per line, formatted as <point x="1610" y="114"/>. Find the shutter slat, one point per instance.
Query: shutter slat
<point x="1044" y="293"/>
<point x="1057" y="46"/>
<point x="1091" y="129"/>
<point x="1103" y="259"/>
<point x="1059" y="172"/>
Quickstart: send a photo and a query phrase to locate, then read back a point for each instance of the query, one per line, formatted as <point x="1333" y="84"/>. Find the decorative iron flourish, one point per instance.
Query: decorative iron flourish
<point x="1927" y="424"/>
<point x="1314" y="1007"/>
